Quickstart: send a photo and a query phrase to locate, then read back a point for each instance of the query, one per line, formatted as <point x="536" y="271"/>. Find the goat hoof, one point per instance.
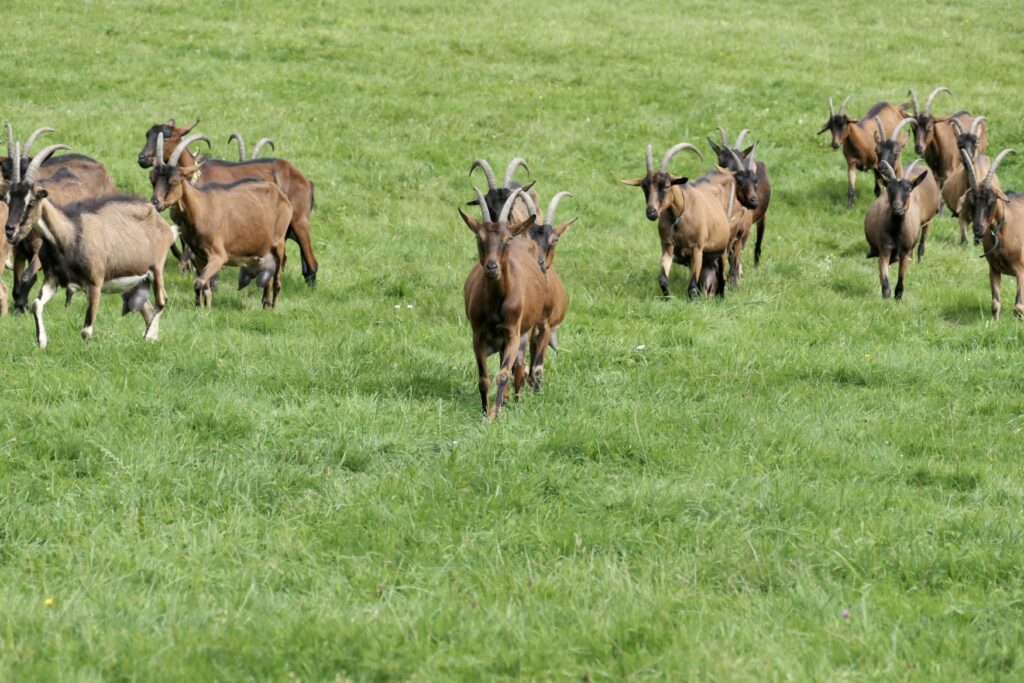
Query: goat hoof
<point x="311" y="279"/>
<point x="87" y="333"/>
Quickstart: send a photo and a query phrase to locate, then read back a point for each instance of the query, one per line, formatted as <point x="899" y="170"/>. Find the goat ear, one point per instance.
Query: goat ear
<point x="825" y="127"/>
<point x="520" y="228"/>
<point x="471" y="223"/>
<point x="746" y="153"/>
<point x="633" y="183"/>
<point x="878" y="138"/>
<point x="189" y="129"/>
<point x="562" y="227"/>
<point x="170" y="122"/>
<point x="680" y="180"/>
<point x="529" y="186"/>
<point x="42" y="194"/>
<point x="918" y="180"/>
<point x="1002" y="196"/>
<point x="714" y="148"/>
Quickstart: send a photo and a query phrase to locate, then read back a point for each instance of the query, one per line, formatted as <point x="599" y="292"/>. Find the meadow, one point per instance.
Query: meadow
<point x="801" y="482"/>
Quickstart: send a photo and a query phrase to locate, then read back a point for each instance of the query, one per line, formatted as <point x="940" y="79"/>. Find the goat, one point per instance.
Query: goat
<point x="545" y="235"/>
<point x="753" y="189"/>
<point x="857" y="138"/>
<point x="497" y="196"/>
<point x="896" y="220"/>
<point x="280" y="172"/>
<point x="67" y="178"/>
<point x="240" y="224"/>
<point x="505" y="297"/>
<point x="116" y="243"/>
<point x="957" y="182"/>
<point x="890" y="148"/>
<point x="935" y="136"/>
<point x="998" y="222"/>
<point x="255" y="150"/>
<point x="657" y="186"/>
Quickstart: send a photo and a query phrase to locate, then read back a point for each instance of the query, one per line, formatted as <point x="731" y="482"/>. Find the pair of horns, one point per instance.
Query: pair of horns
<point x="895" y="131"/>
<point x="972" y="174"/>
<point x="955" y="122"/>
<point x="492" y="185"/>
<point x="842" y="107"/>
<point x="12" y="152"/>
<point x="668" y="156"/>
<point x="890" y="173"/>
<point x="506" y="209"/>
<point x="255" y="150"/>
<point x="176" y="154"/>
<point x="928" y="103"/>
<point x="552" y="206"/>
<point x="751" y="162"/>
<point x="739" y="138"/>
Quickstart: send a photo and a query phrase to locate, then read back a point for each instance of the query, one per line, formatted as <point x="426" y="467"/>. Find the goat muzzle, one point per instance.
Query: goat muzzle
<point x="652" y="214"/>
<point x="491" y="270"/>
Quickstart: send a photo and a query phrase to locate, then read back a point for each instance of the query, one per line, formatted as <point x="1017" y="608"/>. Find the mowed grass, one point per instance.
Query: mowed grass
<point x="702" y="490"/>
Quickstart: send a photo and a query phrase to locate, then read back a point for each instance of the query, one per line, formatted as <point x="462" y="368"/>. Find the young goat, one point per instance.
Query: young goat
<point x="658" y="186"/>
<point x="241" y="224"/>
<point x="255" y="150"/>
<point x="857" y="138"/>
<point x="935" y="136"/>
<point x="505" y="297"/>
<point x="897" y="218"/>
<point x="280" y="172"/>
<point x="111" y="244"/>
<point x="998" y="221"/>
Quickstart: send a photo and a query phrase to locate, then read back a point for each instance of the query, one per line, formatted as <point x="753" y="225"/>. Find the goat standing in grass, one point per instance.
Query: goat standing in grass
<point x="935" y="136"/>
<point x="958" y="183"/>
<point x="857" y="138"/>
<point x="240" y="224"/>
<point x="896" y="220"/>
<point x="753" y="189"/>
<point x="998" y="221"/>
<point x="505" y="297"/>
<point x="111" y="244"/>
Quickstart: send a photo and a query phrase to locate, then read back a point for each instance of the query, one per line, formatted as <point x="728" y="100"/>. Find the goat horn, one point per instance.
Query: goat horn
<point x="995" y="164"/>
<point x="736" y="158"/>
<point x="977" y="123"/>
<point x="928" y="102"/>
<point x="739" y="138"/>
<point x="672" y="152"/>
<point x="488" y="173"/>
<point x="32" y="138"/>
<point x="176" y="154"/>
<point x="899" y="126"/>
<point x="16" y="162"/>
<point x="969" y="165"/>
<point x="725" y="138"/>
<point x="37" y="161"/>
<point x="732" y="197"/>
<point x="831" y="109"/>
<point x="511" y="169"/>
<point x="160" y="149"/>
<point x="881" y="127"/>
<point x="549" y="217"/>
<point x="10" y="140"/>
<point x="913" y="102"/>
<point x="884" y="166"/>
<point x="530" y="206"/>
<point x="955" y="122"/>
<point x="650" y="159"/>
<point x="842" y="107"/>
<point x="910" y="169"/>
<point x="751" y="162"/>
<point x="241" y="145"/>
<point x="485" y="212"/>
<point x="260" y="144"/>
<point x="507" y="209"/>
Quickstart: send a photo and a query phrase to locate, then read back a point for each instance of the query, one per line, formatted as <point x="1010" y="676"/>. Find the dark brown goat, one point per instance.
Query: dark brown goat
<point x="280" y="172"/>
<point x="889" y="148"/>
<point x="935" y="136"/>
<point x="239" y="224"/>
<point x="957" y="182"/>
<point x="505" y="298"/>
<point x="998" y="221"/>
<point x="115" y="243"/>
<point x="857" y="138"/>
<point x="753" y="189"/>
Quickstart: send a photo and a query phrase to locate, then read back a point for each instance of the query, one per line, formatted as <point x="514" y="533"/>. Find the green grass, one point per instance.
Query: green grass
<point x="310" y="493"/>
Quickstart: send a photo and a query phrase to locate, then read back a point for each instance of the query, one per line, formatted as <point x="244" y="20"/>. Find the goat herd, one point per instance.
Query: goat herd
<point x="64" y="217"/>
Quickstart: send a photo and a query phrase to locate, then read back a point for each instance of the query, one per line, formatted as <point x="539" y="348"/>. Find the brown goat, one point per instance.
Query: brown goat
<point x="240" y="224"/>
<point x="935" y="137"/>
<point x="111" y="244"/>
<point x="896" y="220"/>
<point x="280" y="172"/>
<point x="857" y="138"/>
<point x="957" y="182"/>
<point x="505" y="298"/>
<point x="998" y="221"/>
<point x="67" y="178"/>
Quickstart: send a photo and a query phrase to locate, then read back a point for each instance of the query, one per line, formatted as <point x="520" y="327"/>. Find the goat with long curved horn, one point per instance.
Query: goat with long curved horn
<point x="180" y="149"/>
<point x="241" y="144"/>
<point x="675" y="150"/>
<point x="492" y="184"/>
<point x="739" y="138"/>
<point x="931" y="98"/>
<point x="260" y="144"/>
<point x="485" y="213"/>
<point x="35" y="136"/>
<point x="32" y="172"/>
<point x="511" y="169"/>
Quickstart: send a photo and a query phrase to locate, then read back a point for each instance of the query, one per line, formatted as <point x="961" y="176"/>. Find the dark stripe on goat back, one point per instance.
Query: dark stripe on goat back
<point x="64" y="158"/>
<point x="96" y="204"/>
<point x="241" y="181"/>
<point x="875" y="110"/>
<point x="248" y="162"/>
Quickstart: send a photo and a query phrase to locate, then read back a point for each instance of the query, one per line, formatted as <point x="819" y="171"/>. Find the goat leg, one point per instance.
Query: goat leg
<point x="904" y="264"/>
<point x="696" y="263"/>
<point x="851" y="185"/>
<point x="883" y="272"/>
<point x="519" y="366"/>
<point x="995" y="279"/>
<point x="508" y="357"/>
<point x="538" y="347"/>
<point x="924" y="237"/>
<point x="46" y="293"/>
<point x="299" y="231"/>
<point x="1018" y="306"/>
<point x="483" y="381"/>
<point x="666" y="265"/>
<point x="204" y="295"/>
<point x="92" y="295"/>
<point x="757" y="244"/>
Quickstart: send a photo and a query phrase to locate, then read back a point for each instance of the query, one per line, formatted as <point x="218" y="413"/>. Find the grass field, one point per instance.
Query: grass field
<point x="701" y="490"/>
